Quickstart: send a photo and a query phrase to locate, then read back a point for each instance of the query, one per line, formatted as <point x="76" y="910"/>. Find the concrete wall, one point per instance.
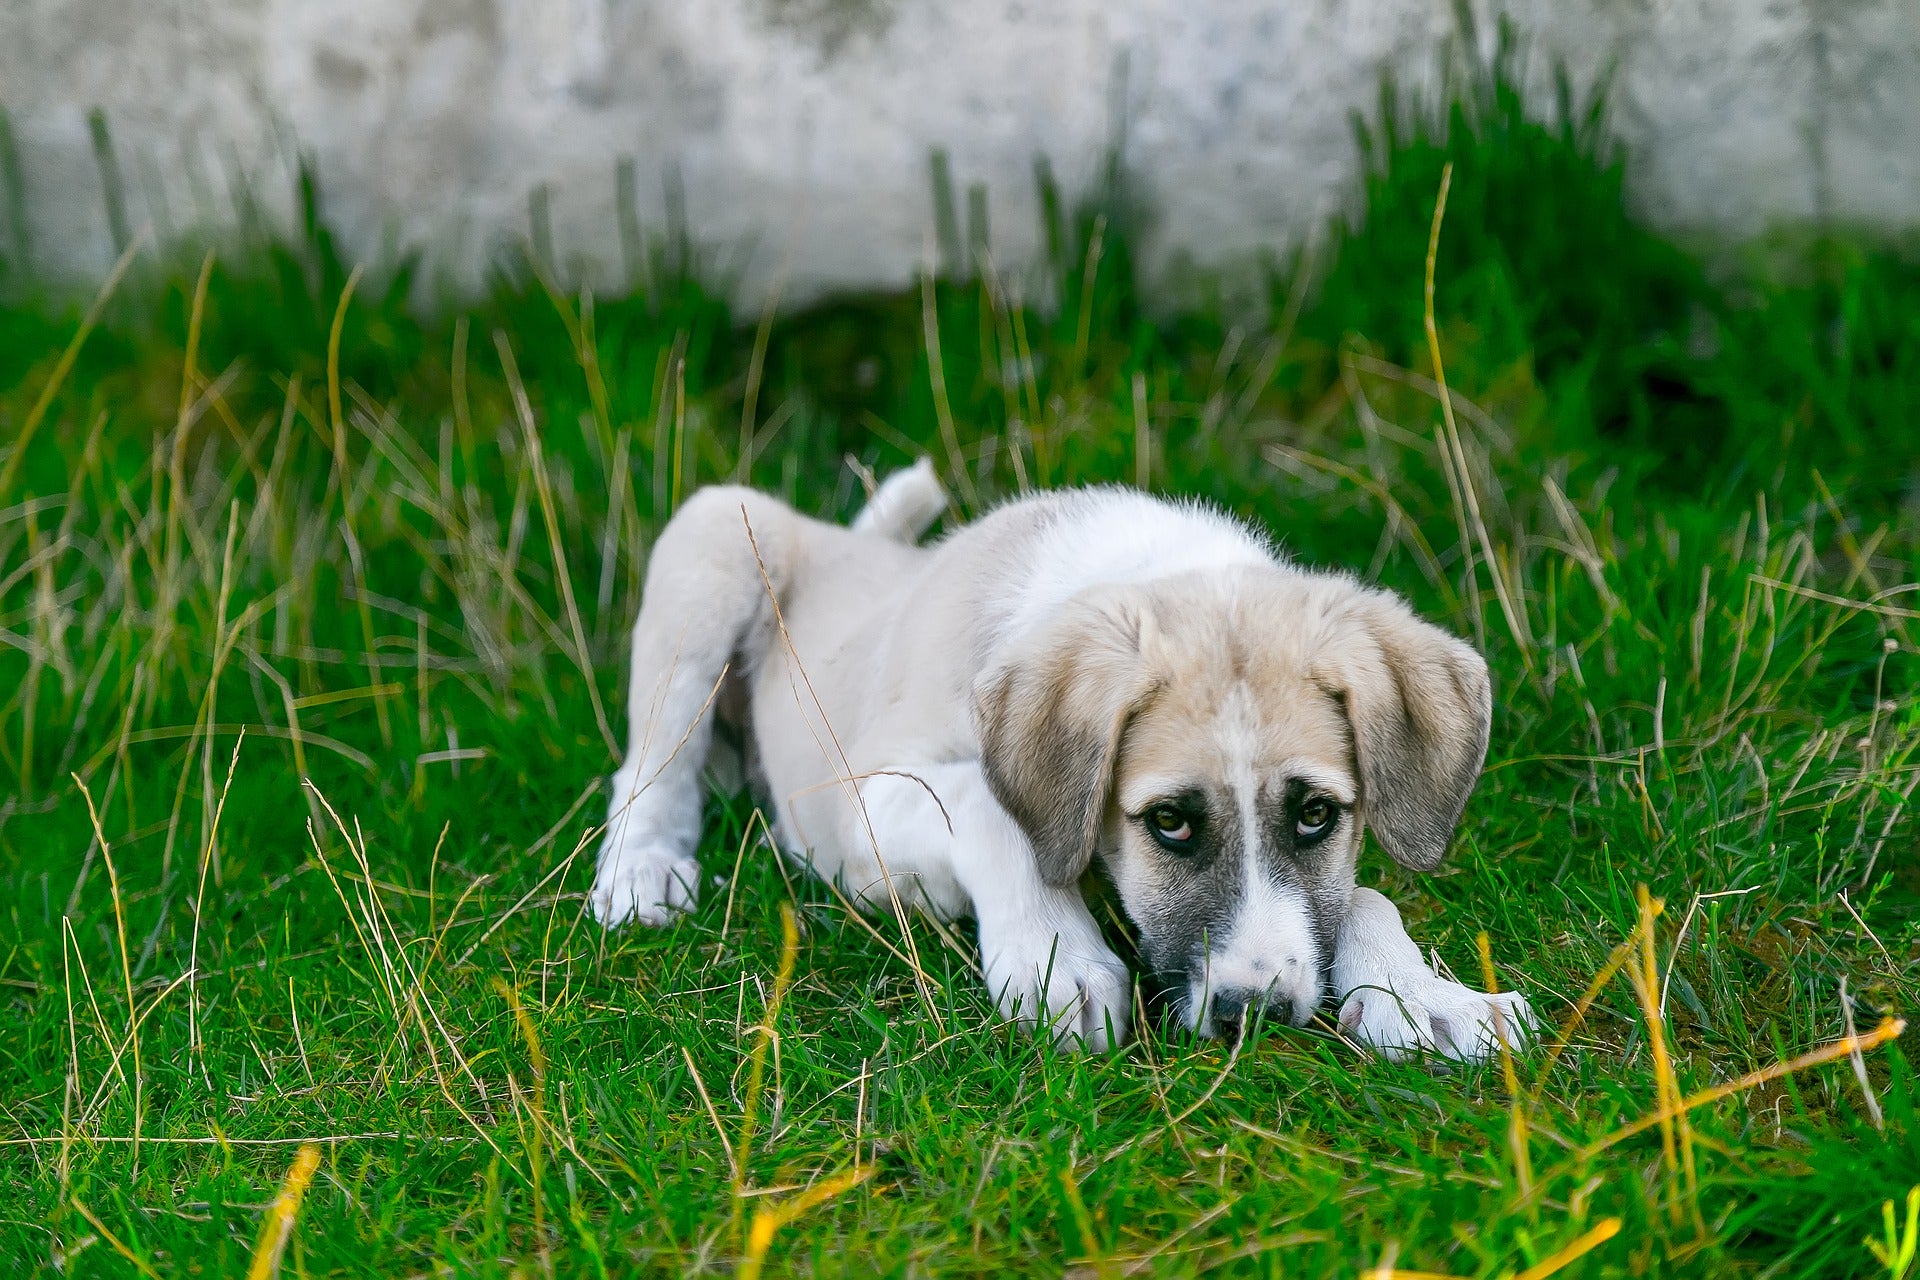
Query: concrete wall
<point x="798" y="132"/>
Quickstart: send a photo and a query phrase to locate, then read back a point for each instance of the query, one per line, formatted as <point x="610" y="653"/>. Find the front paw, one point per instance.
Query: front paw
<point x="646" y="883"/>
<point x="1079" y="992"/>
<point x="1439" y="1017"/>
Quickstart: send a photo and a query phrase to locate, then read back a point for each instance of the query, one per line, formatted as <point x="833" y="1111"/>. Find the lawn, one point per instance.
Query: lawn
<point x="312" y="619"/>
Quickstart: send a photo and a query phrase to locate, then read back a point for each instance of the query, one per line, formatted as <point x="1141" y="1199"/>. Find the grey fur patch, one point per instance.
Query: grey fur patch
<point x="1421" y="705"/>
<point x="1207" y="889"/>
<point x="1049" y="723"/>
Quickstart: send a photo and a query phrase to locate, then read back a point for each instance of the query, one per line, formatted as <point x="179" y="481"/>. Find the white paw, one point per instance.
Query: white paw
<point x="646" y="883"/>
<point x="1078" y="989"/>
<point x="1432" y="1015"/>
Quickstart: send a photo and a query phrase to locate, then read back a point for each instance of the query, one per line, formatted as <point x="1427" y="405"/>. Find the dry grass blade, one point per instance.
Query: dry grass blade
<point x="1676" y="1133"/>
<point x="343" y="478"/>
<point x="1142" y="434"/>
<point x="922" y="981"/>
<point x="536" y="1146"/>
<point x="706" y="1100"/>
<point x="37" y="415"/>
<point x="1582" y="1245"/>
<point x="1083" y="1222"/>
<point x="1517" y="1141"/>
<point x="229" y="1140"/>
<point x="557" y="871"/>
<point x="1621" y="954"/>
<point x="362" y="914"/>
<point x="126" y="969"/>
<point x="1174" y="1122"/>
<point x="757" y="1067"/>
<point x="1897" y="1248"/>
<point x="195" y="1043"/>
<point x="1579" y="1247"/>
<point x="543" y="488"/>
<point x="1399" y="521"/>
<point x="1680" y="936"/>
<point x="1874" y="606"/>
<point x="1891" y="1029"/>
<point x="937" y="374"/>
<point x="769" y="1220"/>
<point x="119" y="1246"/>
<point x="1454" y="458"/>
<point x="1859" y="1061"/>
<point x="277" y="1229"/>
<point x="756" y="367"/>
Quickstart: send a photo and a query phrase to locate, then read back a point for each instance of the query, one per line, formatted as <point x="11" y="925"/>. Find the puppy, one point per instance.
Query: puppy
<point x="962" y="729"/>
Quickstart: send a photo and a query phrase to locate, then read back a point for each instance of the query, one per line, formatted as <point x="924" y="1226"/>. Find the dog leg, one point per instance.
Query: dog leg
<point x="705" y="599"/>
<point x="1392" y="1001"/>
<point x="1041" y="952"/>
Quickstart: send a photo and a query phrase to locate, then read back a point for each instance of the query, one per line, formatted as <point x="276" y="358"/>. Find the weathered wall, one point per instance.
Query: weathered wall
<point x="800" y="130"/>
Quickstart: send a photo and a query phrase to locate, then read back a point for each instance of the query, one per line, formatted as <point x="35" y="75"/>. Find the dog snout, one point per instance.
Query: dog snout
<point x="1224" y="1004"/>
<point x="1231" y="1010"/>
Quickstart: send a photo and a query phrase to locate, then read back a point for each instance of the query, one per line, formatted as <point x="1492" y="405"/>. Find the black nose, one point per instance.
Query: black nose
<point x="1231" y="1010"/>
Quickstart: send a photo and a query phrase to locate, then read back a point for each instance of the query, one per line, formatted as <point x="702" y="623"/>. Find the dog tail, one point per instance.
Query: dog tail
<point x="905" y="505"/>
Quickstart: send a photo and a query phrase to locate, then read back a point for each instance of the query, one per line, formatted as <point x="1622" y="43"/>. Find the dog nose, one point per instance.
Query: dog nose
<point x="1231" y="1010"/>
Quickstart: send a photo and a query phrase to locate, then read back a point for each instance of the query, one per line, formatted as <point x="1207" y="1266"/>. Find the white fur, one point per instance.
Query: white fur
<point x="1041" y="951"/>
<point x="1270" y="947"/>
<point x="1391" y="1000"/>
<point x="859" y="652"/>
<point x="905" y="505"/>
<point x="1119" y="535"/>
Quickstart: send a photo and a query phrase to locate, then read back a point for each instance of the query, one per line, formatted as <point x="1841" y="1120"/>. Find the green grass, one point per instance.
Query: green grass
<point x="316" y="673"/>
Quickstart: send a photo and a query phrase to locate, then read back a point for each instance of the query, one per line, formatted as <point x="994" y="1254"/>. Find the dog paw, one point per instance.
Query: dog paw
<point x="1081" y="994"/>
<point x="1438" y="1017"/>
<point x="647" y="884"/>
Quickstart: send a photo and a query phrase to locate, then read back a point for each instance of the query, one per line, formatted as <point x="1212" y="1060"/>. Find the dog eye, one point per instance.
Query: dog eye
<point x="1316" y="819"/>
<point x="1169" y="826"/>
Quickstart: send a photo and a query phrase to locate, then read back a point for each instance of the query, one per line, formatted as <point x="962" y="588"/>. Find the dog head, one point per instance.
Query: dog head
<point x="1221" y="741"/>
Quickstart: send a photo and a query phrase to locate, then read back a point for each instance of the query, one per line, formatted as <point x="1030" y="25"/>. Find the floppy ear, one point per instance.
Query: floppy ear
<point x="1049" y="719"/>
<point x="1421" y="705"/>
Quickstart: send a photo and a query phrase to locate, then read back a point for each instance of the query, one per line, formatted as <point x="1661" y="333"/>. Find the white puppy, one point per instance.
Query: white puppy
<point x="963" y="728"/>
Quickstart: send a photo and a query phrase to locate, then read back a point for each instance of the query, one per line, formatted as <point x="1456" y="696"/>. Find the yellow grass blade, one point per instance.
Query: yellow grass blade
<point x="767" y="1221"/>
<point x="277" y="1228"/>
<point x="36" y="416"/>
<point x="1620" y="955"/>
<point x="1676" y="1139"/>
<point x="126" y="971"/>
<point x="1891" y="1029"/>
<point x="757" y="1066"/>
<point x="1453" y="460"/>
<point x="119" y="1246"/>
<point x="1517" y="1102"/>
<point x="1582" y="1245"/>
<point x="536" y="1147"/>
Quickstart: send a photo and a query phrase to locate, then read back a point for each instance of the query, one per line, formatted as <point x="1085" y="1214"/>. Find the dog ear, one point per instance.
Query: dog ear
<point x="1421" y="705"/>
<point x="1049" y="720"/>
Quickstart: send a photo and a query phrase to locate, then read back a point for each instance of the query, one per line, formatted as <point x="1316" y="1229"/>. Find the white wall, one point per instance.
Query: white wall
<point x="801" y="129"/>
